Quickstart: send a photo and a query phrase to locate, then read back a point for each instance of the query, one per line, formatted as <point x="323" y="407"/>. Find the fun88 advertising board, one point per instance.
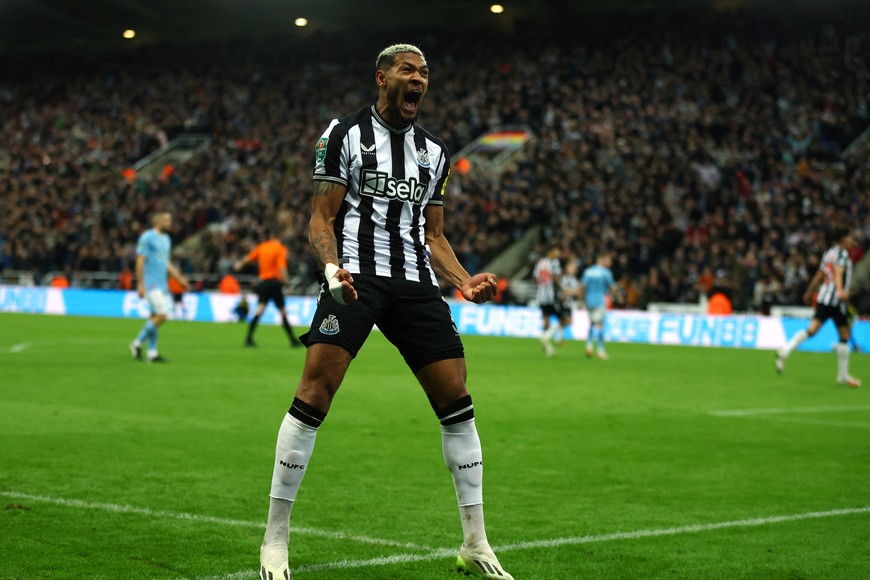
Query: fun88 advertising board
<point x="756" y="332"/>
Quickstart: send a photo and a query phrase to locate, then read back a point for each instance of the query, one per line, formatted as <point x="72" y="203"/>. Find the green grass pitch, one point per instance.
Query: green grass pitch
<point x="663" y="462"/>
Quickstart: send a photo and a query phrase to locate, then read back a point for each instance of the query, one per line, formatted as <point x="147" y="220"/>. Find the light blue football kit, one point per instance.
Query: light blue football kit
<point x="597" y="281"/>
<point x="155" y="247"/>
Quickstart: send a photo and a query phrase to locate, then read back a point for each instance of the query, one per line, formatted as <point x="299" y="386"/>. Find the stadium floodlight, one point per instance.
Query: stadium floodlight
<point x="129" y="33"/>
<point x="496" y="8"/>
<point x="301" y="22"/>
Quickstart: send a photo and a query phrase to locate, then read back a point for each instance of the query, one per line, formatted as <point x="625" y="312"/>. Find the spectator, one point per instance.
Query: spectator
<point x="718" y="155"/>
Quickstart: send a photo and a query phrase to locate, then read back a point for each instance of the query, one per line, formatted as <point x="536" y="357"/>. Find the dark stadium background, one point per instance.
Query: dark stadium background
<point x="52" y="45"/>
<point x="33" y="25"/>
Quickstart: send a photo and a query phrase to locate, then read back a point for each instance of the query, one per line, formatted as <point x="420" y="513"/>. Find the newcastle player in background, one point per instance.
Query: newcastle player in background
<point x="835" y="276"/>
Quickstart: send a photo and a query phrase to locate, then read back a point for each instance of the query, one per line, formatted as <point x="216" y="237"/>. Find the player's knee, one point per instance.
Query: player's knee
<point x="319" y="391"/>
<point x="457" y="413"/>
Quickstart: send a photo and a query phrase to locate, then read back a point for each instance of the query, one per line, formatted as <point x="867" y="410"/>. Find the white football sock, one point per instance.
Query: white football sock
<point x="842" y="349"/>
<point x="278" y="524"/>
<point x="795" y="341"/>
<point x="464" y="459"/>
<point x="473" y="530"/>
<point x="292" y="453"/>
<point x="550" y="332"/>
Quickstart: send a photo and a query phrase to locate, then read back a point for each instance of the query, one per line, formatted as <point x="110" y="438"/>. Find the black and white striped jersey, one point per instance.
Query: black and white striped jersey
<point x="547" y="273"/>
<point x="835" y="256"/>
<point x="391" y="176"/>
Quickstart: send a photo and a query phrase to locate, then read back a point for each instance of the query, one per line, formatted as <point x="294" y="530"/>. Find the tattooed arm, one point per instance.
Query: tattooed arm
<point x="479" y="288"/>
<point x="325" y="205"/>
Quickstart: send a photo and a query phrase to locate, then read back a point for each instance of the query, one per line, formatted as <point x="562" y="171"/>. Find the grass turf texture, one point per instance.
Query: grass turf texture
<point x="593" y="469"/>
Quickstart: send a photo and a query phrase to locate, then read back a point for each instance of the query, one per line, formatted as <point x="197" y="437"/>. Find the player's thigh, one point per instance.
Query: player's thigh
<point x="275" y="293"/>
<point x="325" y="367"/>
<point x="444" y="381"/>
<point x="418" y="322"/>
<point x="262" y="292"/>
<point x="596" y="315"/>
<point x="159" y="302"/>
<point x="840" y="316"/>
<point x="548" y="311"/>
<point x="348" y="326"/>
<point x="844" y="332"/>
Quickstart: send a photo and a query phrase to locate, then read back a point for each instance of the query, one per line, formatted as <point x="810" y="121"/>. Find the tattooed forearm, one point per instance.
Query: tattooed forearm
<point x="328" y="197"/>
<point x="323" y="245"/>
<point x="323" y="188"/>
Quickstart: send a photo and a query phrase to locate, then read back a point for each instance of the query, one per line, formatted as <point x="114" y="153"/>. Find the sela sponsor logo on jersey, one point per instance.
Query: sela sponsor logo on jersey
<point x="381" y="184"/>
<point x="329" y="325"/>
<point x="423" y="158"/>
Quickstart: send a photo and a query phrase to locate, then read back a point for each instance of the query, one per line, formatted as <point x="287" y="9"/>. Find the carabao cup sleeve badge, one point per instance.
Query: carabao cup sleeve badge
<point x="320" y="150"/>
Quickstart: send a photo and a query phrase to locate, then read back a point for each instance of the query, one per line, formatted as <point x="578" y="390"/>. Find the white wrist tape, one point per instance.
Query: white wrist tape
<point x="330" y="271"/>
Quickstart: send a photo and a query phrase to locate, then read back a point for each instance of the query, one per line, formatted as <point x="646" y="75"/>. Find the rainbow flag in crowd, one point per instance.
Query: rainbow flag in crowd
<point x="499" y="140"/>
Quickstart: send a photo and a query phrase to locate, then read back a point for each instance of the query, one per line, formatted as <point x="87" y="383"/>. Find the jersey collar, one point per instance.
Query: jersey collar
<point x="387" y="125"/>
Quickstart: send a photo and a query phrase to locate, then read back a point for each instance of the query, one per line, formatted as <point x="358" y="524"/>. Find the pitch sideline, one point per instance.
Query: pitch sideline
<point x="436" y="553"/>
<point x="786" y="411"/>
<point x="448" y="552"/>
<point x="127" y="509"/>
<point x="787" y="415"/>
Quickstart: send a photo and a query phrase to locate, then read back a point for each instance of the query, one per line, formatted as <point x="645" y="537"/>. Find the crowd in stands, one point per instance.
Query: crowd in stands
<point x="704" y="151"/>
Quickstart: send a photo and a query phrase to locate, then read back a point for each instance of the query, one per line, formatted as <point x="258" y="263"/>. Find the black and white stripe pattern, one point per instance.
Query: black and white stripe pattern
<point x="458" y="411"/>
<point x="391" y="175"/>
<point x="306" y="413"/>
<point x="835" y="256"/>
<point x="547" y="273"/>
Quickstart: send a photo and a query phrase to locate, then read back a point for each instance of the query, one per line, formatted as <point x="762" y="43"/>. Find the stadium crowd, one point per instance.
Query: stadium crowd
<point x="704" y="152"/>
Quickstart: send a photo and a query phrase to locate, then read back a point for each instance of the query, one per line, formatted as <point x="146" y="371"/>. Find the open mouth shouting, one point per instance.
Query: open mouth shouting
<point x="411" y="102"/>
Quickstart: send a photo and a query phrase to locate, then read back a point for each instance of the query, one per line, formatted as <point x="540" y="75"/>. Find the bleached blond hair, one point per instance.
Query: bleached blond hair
<point x="389" y="54"/>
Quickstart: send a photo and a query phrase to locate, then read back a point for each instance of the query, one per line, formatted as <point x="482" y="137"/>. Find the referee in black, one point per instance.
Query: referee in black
<point x="377" y="227"/>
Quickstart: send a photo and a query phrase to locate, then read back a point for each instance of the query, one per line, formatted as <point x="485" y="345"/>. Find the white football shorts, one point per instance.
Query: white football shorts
<point x="159" y="302"/>
<point x="596" y="315"/>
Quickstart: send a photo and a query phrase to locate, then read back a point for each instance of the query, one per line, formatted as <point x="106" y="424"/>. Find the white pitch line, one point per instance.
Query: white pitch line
<point x="447" y="552"/>
<point x="126" y="509"/>
<point x="785" y="411"/>
<point x="849" y="424"/>
<point x="432" y="554"/>
<point x="695" y="528"/>
<point x="16" y="348"/>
